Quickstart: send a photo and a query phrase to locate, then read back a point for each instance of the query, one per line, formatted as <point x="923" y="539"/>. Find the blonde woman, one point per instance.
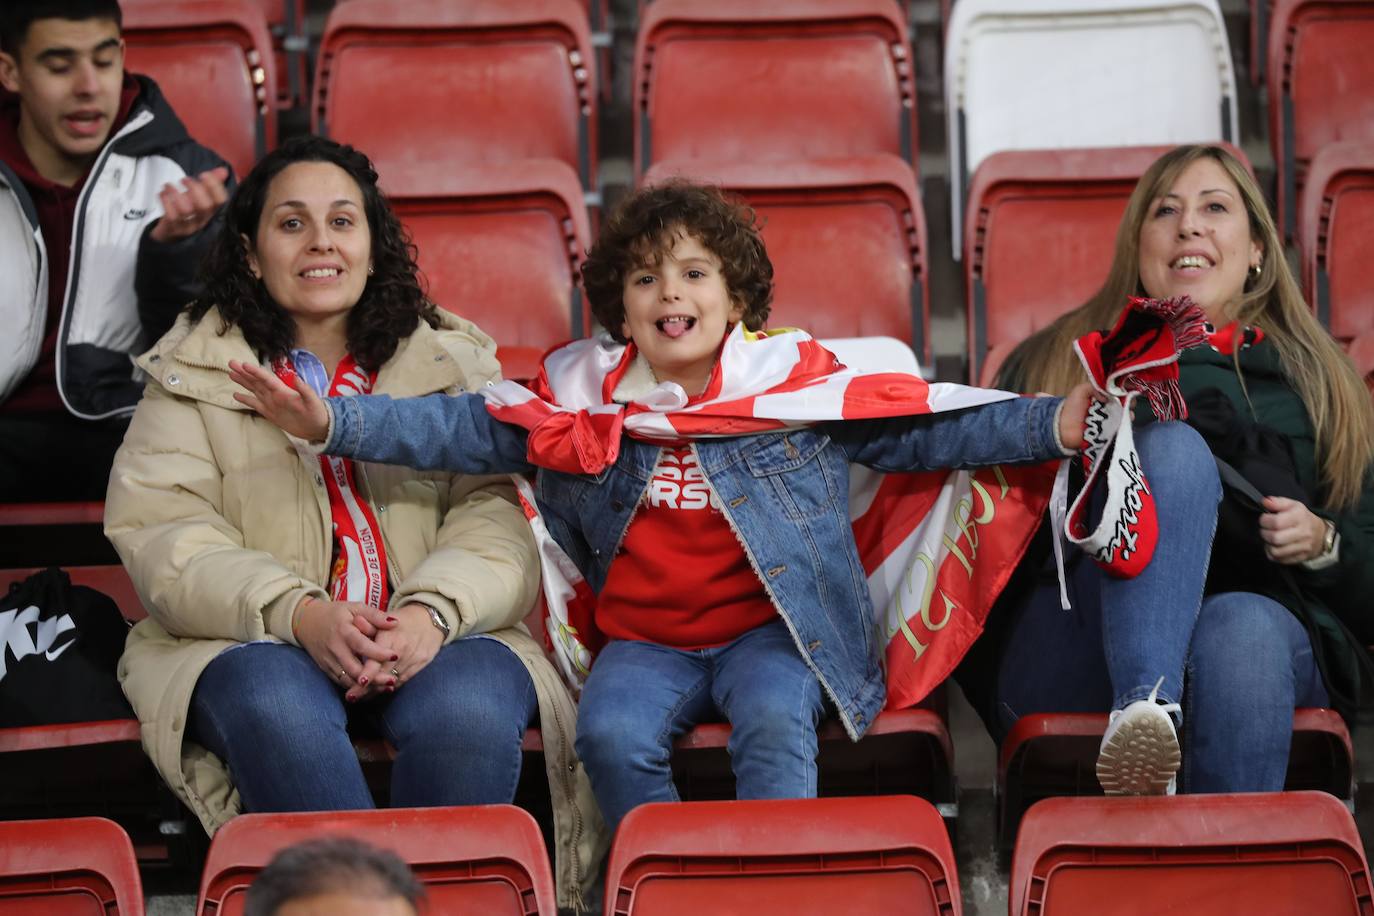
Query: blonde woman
<point x="1275" y="397"/>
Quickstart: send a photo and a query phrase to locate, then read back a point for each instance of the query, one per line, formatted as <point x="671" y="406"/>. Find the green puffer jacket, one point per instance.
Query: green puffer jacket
<point x="1345" y="589"/>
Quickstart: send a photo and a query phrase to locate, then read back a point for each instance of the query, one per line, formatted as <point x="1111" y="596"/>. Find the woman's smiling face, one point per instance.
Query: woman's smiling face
<point x="1195" y="240"/>
<point x="313" y="245"/>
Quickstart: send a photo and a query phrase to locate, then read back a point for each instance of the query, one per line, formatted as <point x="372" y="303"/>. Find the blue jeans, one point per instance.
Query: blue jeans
<point x="640" y="696"/>
<point x="1246" y="660"/>
<point x="280" y="725"/>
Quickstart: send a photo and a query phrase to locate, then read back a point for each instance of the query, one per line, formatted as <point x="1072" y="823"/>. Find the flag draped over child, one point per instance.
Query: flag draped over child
<point x="937" y="546"/>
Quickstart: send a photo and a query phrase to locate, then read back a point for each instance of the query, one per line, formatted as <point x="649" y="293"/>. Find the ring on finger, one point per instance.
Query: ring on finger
<point x="343" y="674"/>
<point x="396" y="674"/>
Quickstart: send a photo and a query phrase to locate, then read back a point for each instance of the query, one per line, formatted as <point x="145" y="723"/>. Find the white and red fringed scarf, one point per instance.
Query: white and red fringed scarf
<point x="937" y="546"/>
<point x="359" y="571"/>
<point x="1138" y="356"/>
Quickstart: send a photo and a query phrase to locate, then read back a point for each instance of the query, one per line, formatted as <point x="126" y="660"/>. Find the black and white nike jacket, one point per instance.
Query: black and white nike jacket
<point x="123" y="289"/>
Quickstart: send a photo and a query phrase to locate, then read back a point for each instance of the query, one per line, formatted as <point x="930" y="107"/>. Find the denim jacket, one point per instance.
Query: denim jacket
<point x="785" y="495"/>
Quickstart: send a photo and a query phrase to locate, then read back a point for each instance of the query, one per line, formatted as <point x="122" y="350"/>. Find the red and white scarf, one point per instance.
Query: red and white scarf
<point x="359" y="570"/>
<point x="1138" y="356"/>
<point x="937" y="546"/>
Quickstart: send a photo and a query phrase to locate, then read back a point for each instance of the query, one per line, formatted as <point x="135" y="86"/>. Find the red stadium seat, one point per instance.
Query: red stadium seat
<point x="1054" y="754"/>
<point x="907" y="751"/>
<point x="1039" y="238"/>
<point x="48" y="533"/>
<point x="70" y="867"/>
<point x="783" y="858"/>
<point x="213" y="62"/>
<point x="1291" y="852"/>
<point x="773" y="79"/>
<point x="847" y="238"/>
<point x="502" y="245"/>
<point x="441" y="84"/>
<point x="1321" y="87"/>
<point x="73" y="513"/>
<point x="487" y="859"/>
<point x="1336" y="227"/>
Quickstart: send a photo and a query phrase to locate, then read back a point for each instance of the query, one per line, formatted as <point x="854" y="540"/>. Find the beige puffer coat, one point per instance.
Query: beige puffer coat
<point x="224" y="526"/>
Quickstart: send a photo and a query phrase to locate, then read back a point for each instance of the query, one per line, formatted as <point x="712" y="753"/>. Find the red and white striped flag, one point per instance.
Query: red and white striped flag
<point x="937" y="546"/>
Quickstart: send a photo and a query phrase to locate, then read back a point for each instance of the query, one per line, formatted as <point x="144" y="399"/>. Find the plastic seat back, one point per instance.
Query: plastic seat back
<point x="1337" y="230"/>
<point x="772" y="79"/>
<point x="888" y="854"/>
<point x="68" y="867"/>
<point x="442" y="84"/>
<point x="1321" y="87"/>
<point x="1047" y="74"/>
<point x="1054" y="754"/>
<point x="1291" y="852"/>
<point x="501" y="245"/>
<point x="846" y="238"/>
<point x="487" y="859"/>
<point x="906" y="752"/>
<point x="1039" y="239"/>
<point x="213" y="61"/>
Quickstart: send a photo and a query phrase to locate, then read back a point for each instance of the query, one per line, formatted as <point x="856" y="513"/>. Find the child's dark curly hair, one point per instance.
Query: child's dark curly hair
<point x="646" y="224"/>
<point x="392" y="304"/>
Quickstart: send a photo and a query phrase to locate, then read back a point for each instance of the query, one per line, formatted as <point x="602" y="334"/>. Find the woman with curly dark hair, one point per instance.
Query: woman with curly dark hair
<point x="294" y="597"/>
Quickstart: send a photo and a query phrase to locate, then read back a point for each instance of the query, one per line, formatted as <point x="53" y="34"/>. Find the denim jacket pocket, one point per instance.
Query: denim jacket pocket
<point x="565" y="491"/>
<point x="787" y="464"/>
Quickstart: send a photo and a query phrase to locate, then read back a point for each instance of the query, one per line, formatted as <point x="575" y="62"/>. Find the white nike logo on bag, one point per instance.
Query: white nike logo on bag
<point x="19" y="641"/>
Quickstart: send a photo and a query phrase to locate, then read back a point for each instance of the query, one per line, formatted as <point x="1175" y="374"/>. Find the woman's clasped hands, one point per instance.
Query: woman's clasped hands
<point x="365" y="650"/>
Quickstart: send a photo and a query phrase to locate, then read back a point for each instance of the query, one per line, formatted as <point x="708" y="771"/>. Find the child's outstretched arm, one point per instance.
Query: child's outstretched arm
<point x="434" y="432"/>
<point x="1014" y="431"/>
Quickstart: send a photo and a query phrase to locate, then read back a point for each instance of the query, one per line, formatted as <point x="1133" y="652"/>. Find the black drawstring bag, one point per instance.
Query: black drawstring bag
<point x="59" y="647"/>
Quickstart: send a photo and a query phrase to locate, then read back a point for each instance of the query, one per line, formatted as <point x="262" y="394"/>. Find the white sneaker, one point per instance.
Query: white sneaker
<point x="1139" y="754"/>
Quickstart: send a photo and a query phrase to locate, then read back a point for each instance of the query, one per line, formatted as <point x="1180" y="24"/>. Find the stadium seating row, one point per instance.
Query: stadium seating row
<point x="49" y="771"/>
<point x="1294" y="852"/>
<point x="734" y="95"/>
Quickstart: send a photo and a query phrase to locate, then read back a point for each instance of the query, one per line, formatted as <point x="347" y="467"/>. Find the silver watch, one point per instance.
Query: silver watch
<point x="437" y="619"/>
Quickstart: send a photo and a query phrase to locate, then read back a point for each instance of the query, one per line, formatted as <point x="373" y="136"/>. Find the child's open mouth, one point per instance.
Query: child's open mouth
<point x="674" y="326"/>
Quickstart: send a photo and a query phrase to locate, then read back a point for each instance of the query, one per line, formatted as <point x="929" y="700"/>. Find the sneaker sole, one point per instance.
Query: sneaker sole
<point x="1140" y="759"/>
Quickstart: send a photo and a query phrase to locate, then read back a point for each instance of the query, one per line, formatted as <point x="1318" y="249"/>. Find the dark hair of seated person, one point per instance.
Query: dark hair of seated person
<point x="17" y="15"/>
<point x="332" y="865"/>
<point x="392" y="303"/>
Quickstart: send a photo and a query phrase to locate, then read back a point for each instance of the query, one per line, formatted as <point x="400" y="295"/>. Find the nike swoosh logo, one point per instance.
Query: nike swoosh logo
<point x="52" y="655"/>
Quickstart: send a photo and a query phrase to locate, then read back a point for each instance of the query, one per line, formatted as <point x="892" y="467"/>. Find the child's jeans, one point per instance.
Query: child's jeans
<point x="640" y="696"/>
